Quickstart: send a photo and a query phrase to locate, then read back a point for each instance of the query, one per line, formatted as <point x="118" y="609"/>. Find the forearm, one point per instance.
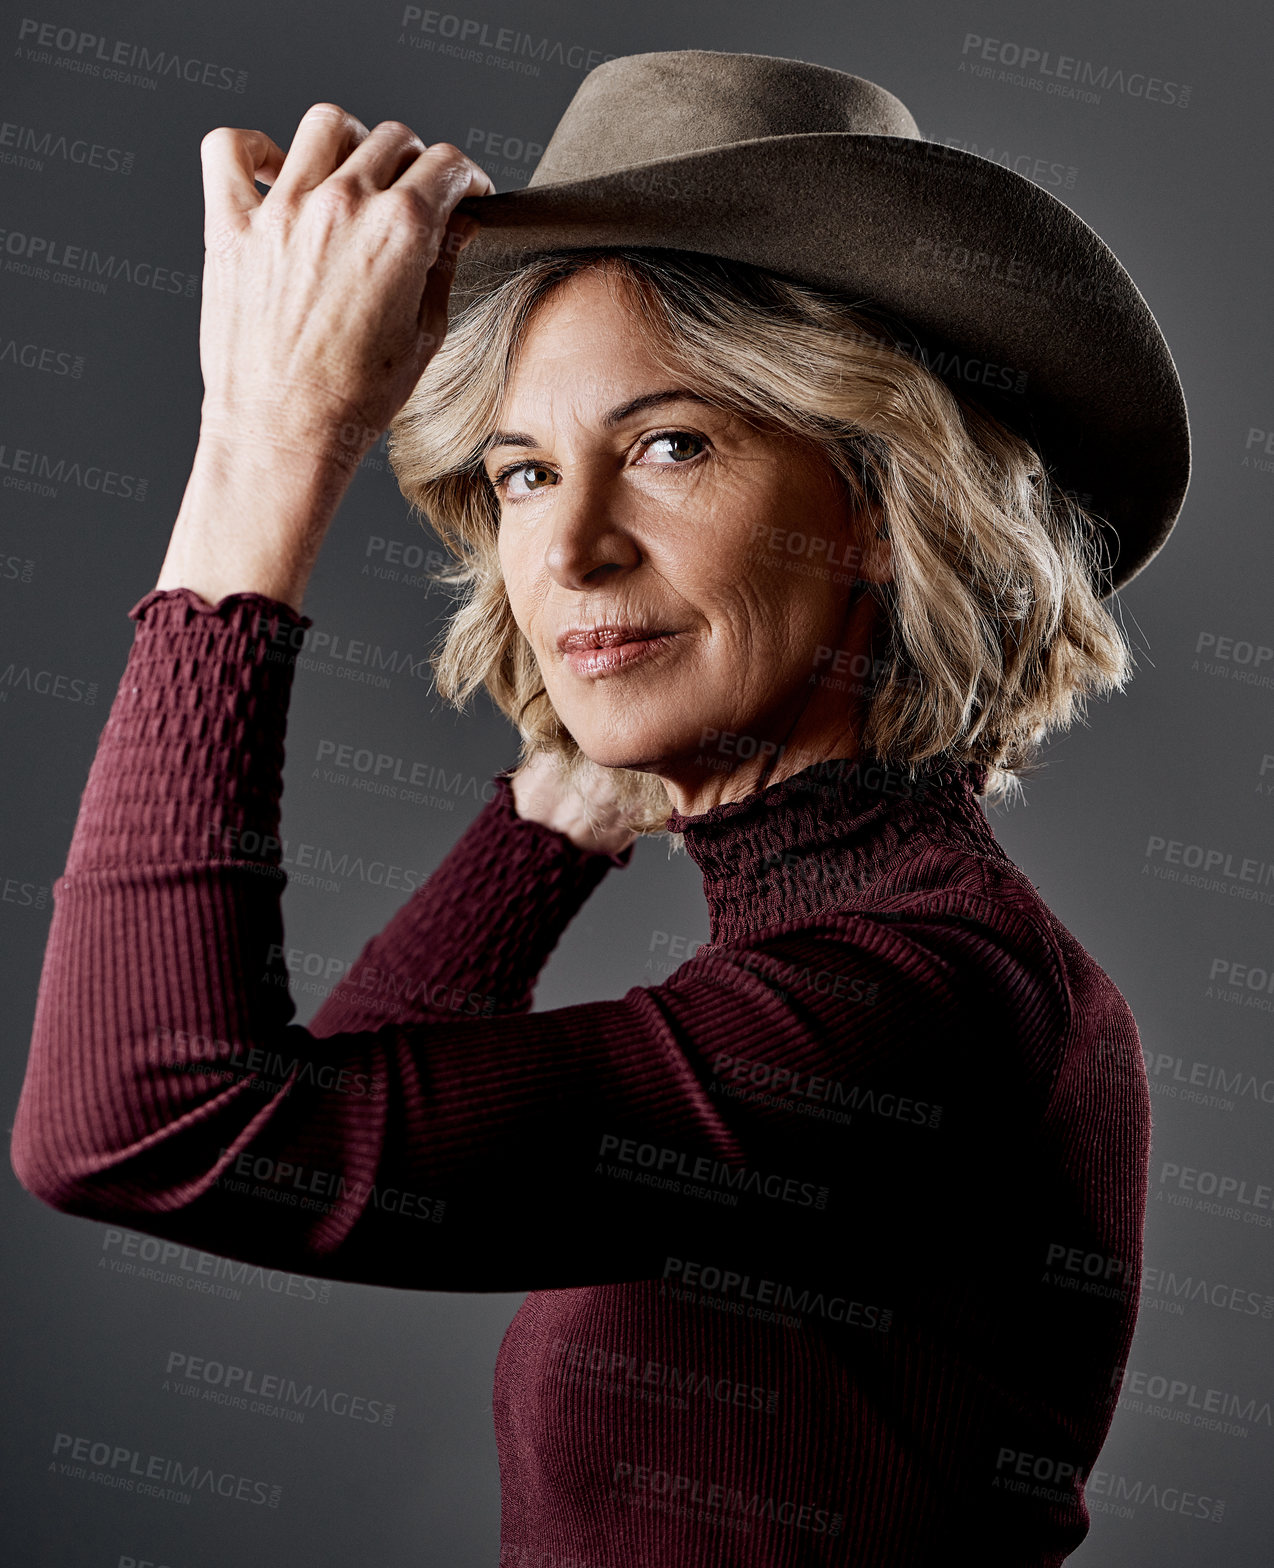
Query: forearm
<point x="171" y="886"/>
<point x="473" y="939"/>
<point x="168" y="1088"/>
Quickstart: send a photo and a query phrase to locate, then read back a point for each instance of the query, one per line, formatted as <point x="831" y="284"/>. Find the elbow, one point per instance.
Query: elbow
<point x="49" y="1175"/>
<point x="44" y="1180"/>
<point x="45" y="1155"/>
<point x="53" y="1149"/>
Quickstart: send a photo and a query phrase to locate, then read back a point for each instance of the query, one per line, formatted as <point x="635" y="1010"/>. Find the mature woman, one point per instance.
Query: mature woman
<point x="809" y="1228"/>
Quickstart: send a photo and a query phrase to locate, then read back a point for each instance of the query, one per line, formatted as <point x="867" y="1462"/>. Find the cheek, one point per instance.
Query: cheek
<point x="519" y="583"/>
<point x="760" y="605"/>
<point x="773" y="622"/>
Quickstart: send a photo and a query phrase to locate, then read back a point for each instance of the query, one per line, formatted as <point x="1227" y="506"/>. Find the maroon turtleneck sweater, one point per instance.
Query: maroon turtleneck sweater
<point x="833" y="1239"/>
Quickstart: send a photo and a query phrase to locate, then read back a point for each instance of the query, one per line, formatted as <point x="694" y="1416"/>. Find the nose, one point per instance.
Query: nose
<point x="588" y="544"/>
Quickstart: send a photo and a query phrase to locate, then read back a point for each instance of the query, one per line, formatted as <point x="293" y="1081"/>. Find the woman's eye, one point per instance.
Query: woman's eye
<point x="676" y="438"/>
<point x="536" y="475"/>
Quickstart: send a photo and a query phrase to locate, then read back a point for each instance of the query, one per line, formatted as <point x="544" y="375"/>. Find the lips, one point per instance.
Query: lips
<point x="596" y="651"/>
<point x="605" y="637"/>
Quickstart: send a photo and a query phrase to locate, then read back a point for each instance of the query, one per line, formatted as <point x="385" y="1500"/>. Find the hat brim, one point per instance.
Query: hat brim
<point x="1017" y="303"/>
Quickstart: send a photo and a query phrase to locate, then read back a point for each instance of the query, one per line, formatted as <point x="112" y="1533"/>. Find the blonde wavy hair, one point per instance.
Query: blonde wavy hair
<point x="994" y="629"/>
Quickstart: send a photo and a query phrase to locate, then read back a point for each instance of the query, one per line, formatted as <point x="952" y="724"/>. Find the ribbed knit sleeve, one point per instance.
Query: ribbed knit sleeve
<point x="214" y="684"/>
<point x="453" y="951"/>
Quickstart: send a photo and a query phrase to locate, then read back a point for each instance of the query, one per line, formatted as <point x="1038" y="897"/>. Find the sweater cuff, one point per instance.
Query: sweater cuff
<point x="189" y="764"/>
<point x="592" y="861"/>
<point x="188" y="604"/>
<point x="482" y="925"/>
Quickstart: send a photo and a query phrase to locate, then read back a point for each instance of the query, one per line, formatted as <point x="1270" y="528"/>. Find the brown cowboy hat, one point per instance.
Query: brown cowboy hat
<point x="824" y="177"/>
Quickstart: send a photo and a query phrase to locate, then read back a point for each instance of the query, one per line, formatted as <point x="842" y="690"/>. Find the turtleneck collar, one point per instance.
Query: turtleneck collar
<point x="824" y="834"/>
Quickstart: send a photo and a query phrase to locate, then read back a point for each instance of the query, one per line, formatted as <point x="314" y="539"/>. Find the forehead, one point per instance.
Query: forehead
<point x="585" y="344"/>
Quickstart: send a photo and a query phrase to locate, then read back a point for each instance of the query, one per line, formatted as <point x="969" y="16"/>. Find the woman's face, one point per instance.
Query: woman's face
<point x="627" y="503"/>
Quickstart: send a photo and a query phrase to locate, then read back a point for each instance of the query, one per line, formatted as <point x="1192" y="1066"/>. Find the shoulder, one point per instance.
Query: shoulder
<point x="950" y="935"/>
<point x="986" y="929"/>
<point x="1009" y="956"/>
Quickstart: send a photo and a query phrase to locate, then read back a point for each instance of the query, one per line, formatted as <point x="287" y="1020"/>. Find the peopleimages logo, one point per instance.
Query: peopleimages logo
<point x="1063" y="75"/>
<point x="266" y="1393"/>
<point x="46" y="683"/>
<point x="768" y="1084"/>
<point x="92" y="54"/>
<point x="1220" y="1193"/>
<point x="329" y="867"/>
<point x="698" y="1497"/>
<point x="230" y="1060"/>
<point x="1209" y="867"/>
<point x="129" y="1470"/>
<point x="1180" y="1400"/>
<point x="329" y="651"/>
<point x="675" y="1166"/>
<point x="583" y="1361"/>
<point x="1234" y="659"/>
<point x="304" y="1187"/>
<point x="685" y="1279"/>
<point x="1106" y="1491"/>
<point x="521" y="50"/>
<point x="1037" y="1475"/>
<point x="170" y="1263"/>
<point x="1042" y="171"/>
<point x="1183" y="1078"/>
<point x="1165" y="1290"/>
<point x="34" y="146"/>
<point x="53" y="260"/>
<point x="366" y="766"/>
<point x="24" y="468"/>
<point x="42" y="357"/>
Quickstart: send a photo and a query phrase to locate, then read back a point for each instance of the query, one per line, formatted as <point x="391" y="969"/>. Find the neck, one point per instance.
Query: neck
<point x="824" y="836"/>
<point x="713" y="779"/>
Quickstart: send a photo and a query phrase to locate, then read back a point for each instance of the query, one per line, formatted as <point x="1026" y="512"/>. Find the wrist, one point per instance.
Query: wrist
<point x="541" y="793"/>
<point x="295" y="426"/>
<point x="252" y="519"/>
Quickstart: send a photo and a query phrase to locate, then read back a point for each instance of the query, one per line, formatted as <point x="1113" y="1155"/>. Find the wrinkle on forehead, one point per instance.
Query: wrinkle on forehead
<point x="576" y="361"/>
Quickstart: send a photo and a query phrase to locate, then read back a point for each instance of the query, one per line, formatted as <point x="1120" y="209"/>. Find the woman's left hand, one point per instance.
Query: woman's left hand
<point x="582" y="805"/>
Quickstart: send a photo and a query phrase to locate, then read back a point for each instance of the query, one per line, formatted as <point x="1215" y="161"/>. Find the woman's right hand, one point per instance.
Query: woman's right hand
<point x="323" y="301"/>
<point x="325" y="298"/>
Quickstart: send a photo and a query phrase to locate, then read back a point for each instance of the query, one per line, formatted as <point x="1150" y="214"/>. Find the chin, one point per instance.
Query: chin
<point x="637" y="749"/>
<point x="660" y="734"/>
<point x="612" y="754"/>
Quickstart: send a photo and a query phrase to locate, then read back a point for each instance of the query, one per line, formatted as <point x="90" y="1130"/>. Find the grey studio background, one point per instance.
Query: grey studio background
<point x="1150" y="832"/>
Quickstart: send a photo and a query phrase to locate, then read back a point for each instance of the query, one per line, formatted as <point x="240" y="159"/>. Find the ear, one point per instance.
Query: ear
<point x="876" y="556"/>
<point x="867" y="524"/>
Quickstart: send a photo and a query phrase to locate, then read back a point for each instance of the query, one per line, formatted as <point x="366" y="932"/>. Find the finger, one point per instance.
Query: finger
<point x="440" y="179"/>
<point x="231" y="160"/>
<point x="382" y="156"/>
<point x="442" y="176"/>
<point x="437" y="291"/>
<point x="325" y="137"/>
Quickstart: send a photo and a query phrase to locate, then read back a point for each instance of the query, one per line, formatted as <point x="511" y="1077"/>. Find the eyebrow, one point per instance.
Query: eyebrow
<point x="614" y="418"/>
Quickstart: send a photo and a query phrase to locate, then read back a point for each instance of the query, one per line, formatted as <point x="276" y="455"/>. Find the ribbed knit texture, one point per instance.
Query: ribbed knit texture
<point x="807" y="1228"/>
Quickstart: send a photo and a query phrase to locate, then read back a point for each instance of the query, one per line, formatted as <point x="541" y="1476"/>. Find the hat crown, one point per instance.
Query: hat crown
<point x="643" y="107"/>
